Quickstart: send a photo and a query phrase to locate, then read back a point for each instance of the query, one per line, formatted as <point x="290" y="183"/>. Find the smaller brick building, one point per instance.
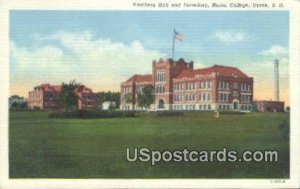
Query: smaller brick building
<point x="131" y="88"/>
<point x="86" y="98"/>
<point x="269" y="106"/>
<point x="46" y="97"/>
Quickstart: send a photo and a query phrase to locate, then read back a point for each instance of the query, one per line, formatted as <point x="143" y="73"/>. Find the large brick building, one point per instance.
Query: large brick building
<point x="45" y="97"/>
<point x="178" y="86"/>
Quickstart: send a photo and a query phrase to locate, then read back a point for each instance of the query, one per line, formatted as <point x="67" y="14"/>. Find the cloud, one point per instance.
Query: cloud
<point x="229" y="37"/>
<point x="32" y="63"/>
<point x="100" y="63"/>
<point x="275" y="50"/>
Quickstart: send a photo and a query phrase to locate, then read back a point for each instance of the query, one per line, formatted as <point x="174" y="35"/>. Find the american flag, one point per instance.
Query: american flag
<point x="178" y="36"/>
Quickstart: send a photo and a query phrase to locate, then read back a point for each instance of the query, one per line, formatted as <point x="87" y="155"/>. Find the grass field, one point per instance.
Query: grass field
<point x="40" y="147"/>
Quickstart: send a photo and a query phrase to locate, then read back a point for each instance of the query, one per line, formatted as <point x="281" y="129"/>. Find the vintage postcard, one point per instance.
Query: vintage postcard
<point x="148" y="94"/>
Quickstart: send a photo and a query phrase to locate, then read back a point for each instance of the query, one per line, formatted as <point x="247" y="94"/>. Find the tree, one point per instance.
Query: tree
<point x="108" y="96"/>
<point x="146" y="97"/>
<point x="17" y="102"/>
<point x="128" y="97"/>
<point x="285" y="126"/>
<point x="68" y="98"/>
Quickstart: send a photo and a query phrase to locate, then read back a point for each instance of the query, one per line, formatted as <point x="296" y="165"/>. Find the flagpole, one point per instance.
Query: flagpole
<point x="173" y="46"/>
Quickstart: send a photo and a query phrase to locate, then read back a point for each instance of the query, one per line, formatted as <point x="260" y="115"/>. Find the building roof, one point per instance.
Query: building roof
<point x="140" y="78"/>
<point x="49" y="88"/>
<point x="222" y="70"/>
<point x="83" y="89"/>
<point x="57" y="88"/>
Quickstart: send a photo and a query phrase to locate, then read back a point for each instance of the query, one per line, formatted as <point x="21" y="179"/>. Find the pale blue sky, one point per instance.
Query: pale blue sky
<point x="126" y="42"/>
<point x="154" y="29"/>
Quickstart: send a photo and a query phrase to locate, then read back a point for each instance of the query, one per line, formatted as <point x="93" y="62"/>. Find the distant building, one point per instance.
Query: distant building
<point x="269" y="106"/>
<point x="108" y="105"/>
<point x="178" y="86"/>
<point x="86" y="98"/>
<point x="46" y="97"/>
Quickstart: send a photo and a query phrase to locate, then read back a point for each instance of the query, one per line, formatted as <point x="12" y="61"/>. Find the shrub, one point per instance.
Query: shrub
<point x="36" y="108"/>
<point x="233" y="112"/>
<point x="285" y="127"/>
<point x="92" y="114"/>
<point x="169" y="113"/>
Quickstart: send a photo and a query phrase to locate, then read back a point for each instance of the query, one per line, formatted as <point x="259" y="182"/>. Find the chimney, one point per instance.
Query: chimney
<point x="191" y="65"/>
<point x="276" y="80"/>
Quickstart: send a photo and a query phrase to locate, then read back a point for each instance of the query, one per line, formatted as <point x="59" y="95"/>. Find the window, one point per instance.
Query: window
<point x="202" y="84"/>
<point x="160" y="77"/>
<point x="192" y="85"/>
<point x="193" y="97"/>
<point x="209" y="84"/>
<point x="235" y="94"/>
<point x="159" y="89"/>
<point x="208" y="96"/>
<point x="235" y="85"/>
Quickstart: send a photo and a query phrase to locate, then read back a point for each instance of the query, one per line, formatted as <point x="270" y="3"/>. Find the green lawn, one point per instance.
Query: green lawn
<point x="40" y="147"/>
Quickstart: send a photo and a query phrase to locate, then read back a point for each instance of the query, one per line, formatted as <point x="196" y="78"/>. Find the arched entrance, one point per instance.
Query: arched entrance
<point x="161" y="104"/>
